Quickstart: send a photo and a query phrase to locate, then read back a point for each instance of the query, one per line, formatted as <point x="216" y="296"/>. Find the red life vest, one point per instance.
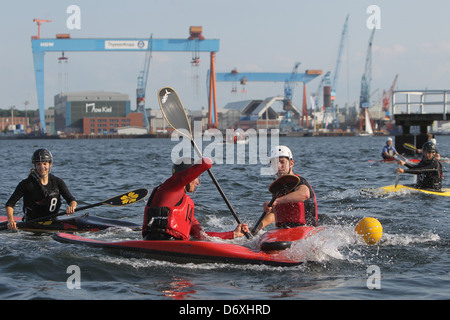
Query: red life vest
<point x="296" y="214"/>
<point x="289" y="214"/>
<point x="174" y="221"/>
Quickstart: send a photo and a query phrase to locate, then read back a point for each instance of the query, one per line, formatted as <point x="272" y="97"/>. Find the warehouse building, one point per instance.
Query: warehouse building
<point x="94" y="112"/>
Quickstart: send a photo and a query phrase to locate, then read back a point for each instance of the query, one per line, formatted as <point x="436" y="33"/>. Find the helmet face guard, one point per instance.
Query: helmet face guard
<point x="42" y="155"/>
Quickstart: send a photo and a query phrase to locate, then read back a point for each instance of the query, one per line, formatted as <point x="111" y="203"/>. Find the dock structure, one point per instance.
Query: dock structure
<point x="418" y="108"/>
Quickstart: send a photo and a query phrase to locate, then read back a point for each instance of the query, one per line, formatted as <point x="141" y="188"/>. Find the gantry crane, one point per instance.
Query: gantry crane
<point x="142" y="85"/>
<point x="42" y="46"/>
<point x="243" y="77"/>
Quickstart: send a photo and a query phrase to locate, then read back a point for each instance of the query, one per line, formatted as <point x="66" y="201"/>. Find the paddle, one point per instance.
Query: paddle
<point x="397" y="156"/>
<point x="175" y="114"/>
<point x="282" y="185"/>
<point x="413" y="148"/>
<point x="397" y="178"/>
<point x="409" y="146"/>
<point x="117" y="201"/>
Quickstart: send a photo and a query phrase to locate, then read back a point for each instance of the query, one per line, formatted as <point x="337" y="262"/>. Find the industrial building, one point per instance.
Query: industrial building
<point x="94" y="112"/>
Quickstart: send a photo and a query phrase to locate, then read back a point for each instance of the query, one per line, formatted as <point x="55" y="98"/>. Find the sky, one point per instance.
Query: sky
<point x="413" y="41"/>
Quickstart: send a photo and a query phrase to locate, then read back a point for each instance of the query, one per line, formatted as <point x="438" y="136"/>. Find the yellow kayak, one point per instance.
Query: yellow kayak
<point x="388" y="189"/>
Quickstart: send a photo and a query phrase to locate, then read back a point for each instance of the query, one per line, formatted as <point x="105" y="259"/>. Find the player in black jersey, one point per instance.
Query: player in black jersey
<point x="41" y="191"/>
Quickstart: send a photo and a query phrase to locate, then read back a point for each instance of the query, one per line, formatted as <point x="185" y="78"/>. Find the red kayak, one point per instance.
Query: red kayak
<point x="271" y="253"/>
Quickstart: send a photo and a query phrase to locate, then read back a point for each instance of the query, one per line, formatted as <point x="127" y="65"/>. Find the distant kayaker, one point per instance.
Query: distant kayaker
<point x="298" y="207"/>
<point x="388" y="152"/>
<point x="169" y="213"/>
<point x="428" y="170"/>
<point x="432" y="139"/>
<point x="41" y="191"/>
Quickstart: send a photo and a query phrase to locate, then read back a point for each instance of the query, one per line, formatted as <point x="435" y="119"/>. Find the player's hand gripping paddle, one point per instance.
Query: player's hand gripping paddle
<point x="175" y="114"/>
<point x="282" y="185"/>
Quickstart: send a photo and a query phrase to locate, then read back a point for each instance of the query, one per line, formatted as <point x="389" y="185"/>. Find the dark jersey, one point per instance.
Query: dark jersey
<point x="39" y="200"/>
<point x="429" y="174"/>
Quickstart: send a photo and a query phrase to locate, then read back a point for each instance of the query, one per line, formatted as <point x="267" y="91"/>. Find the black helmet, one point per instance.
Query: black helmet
<point x="42" y="155"/>
<point x="182" y="164"/>
<point x="429" y="147"/>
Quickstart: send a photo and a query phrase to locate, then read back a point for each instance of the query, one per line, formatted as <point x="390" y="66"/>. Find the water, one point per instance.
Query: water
<point x="412" y="257"/>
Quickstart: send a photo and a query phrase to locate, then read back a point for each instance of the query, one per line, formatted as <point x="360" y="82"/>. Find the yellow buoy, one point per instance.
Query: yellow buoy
<point x="370" y="229"/>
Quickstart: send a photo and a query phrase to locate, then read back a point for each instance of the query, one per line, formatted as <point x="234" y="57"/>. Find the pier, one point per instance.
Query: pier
<point x="418" y="108"/>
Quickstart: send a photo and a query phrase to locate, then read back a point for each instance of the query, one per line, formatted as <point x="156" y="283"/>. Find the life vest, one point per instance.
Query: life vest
<point x="296" y="214"/>
<point x="174" y="221"/>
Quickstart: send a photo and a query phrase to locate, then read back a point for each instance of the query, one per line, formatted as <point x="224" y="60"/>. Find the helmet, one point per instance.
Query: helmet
<point x="429" y="147"/>
<point x="280" y="151"/>
<point x="182" y="164"/>
<point x="42" y="155"/>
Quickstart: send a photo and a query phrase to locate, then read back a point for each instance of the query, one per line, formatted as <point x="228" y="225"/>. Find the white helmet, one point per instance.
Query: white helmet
<point x="280" y="151"/>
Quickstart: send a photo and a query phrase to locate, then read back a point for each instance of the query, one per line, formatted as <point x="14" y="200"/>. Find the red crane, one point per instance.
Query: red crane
<point x="387" y="99"/>
<point x="39" y="21"/>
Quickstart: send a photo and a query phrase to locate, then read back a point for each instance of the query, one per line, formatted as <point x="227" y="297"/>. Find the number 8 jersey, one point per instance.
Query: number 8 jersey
<point x="40" y="200"/>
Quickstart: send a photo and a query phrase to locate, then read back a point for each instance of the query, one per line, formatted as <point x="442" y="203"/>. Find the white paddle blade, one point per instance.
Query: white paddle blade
<point x="173" y="110"/>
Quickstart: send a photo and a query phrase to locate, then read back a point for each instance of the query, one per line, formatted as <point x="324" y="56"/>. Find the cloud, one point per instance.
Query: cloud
<point x="387" y="52"/>
<point x="435" y="48"/>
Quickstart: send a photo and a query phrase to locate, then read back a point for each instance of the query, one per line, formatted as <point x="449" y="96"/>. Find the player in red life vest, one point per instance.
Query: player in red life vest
<point x="298" y="207"/>
<point x="169" y="213"/>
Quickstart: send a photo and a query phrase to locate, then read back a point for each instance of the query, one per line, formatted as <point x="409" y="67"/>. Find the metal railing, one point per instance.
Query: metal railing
<point x="420" y="102"/>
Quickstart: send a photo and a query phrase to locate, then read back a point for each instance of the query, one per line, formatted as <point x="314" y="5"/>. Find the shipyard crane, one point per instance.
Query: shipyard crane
<point x="331" y="84"/>
<point x="330" y="110"/>
<point x="364" y="99"/>
<point x="288" y="124"/>
<point x="42" y="46"/>
<point x="288" y="86"/>
<point x="367" y="76"/>
<point x="142" y="85"/>
<point x="387" y="99"/>
<point x="39" y="21"/>
<point x="316" y="96"/>
<point x="338" y="62"/>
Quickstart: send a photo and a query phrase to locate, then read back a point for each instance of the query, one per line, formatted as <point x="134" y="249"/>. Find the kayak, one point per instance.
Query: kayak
<point x="73" y="224"/>
<point x="188" y="251"/>
<point x="389" y="189"/>
<point x="281" y="239"/>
